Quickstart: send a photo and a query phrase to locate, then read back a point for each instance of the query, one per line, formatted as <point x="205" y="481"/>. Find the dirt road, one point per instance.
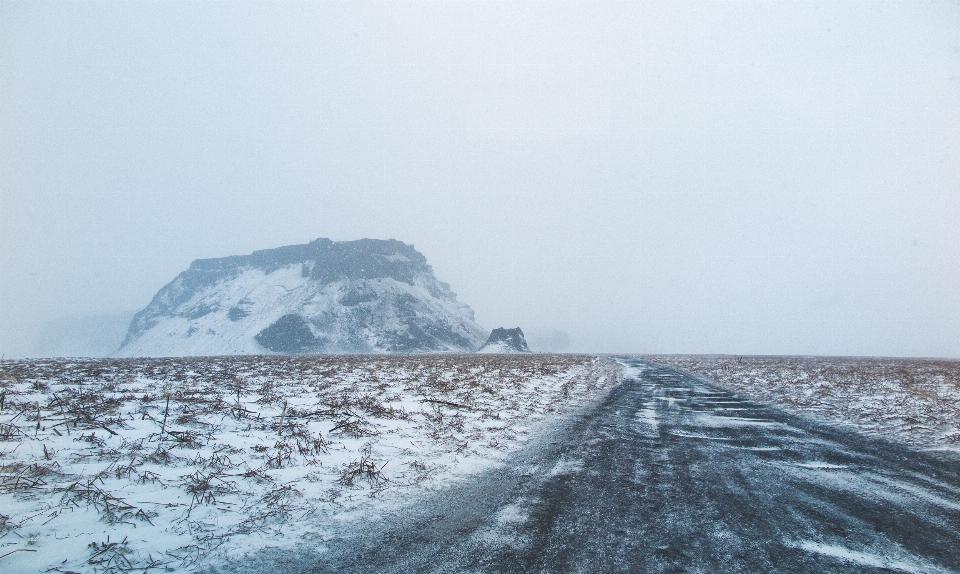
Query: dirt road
<point x="668" y="474"/>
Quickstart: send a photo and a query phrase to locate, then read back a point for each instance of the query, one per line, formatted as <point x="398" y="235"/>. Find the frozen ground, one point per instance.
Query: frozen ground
<point x="669" y="474"/>
<point x="916" y="401"/>
<point x="173" y="464"/>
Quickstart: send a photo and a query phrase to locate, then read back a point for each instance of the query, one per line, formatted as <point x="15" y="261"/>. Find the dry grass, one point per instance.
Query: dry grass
<point x="179" y="458"/>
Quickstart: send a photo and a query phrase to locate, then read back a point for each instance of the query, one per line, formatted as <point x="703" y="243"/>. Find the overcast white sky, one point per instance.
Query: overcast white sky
<point x="711" y="177"/>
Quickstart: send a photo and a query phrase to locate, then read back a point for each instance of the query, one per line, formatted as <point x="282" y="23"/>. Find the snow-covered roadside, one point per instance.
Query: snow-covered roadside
<point x="141" y="464"/>
<point x="916" y="401"/>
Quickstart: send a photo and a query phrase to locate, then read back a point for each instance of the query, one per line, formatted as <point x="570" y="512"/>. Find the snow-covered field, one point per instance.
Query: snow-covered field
<point x="916" y="401"/>
<point x="169" y="464"/>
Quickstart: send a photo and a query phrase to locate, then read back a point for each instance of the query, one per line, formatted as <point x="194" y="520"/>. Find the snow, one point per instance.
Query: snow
<point x="817" y="465"/>
<point x="498" y="348"/>
<point x="649" y="418"/>
<point x="916" y="401"/>
<point x="566" y="466"/>
<point x="710" y="420"/>
<point x="269" y="296"/>
<point x="874" y="486"/>
<point x="513" y="514"/>
<point x="252" y="452"/>
<point x="901" y="563"/>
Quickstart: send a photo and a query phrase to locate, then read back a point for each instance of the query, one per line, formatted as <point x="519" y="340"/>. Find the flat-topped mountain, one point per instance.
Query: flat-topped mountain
<point x="322" y="297"/>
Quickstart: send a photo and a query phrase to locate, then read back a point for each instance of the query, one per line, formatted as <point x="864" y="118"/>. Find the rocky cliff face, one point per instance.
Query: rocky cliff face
<point x="322" y="297"/>
<point x="505" y="341"/>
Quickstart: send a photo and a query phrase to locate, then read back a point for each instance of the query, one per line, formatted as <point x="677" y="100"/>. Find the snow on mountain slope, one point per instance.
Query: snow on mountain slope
<point x="505" y="341"/>
<point x="498" y="348"/>
<point x="325" y="296"/>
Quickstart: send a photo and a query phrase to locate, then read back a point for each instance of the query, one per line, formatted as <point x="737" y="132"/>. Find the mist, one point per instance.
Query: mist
<point x="675" y="177"/>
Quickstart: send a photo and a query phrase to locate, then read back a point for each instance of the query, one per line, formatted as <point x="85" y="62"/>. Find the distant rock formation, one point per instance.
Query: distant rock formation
<point x="505" y="341"/>
<point x="365" y="296"/>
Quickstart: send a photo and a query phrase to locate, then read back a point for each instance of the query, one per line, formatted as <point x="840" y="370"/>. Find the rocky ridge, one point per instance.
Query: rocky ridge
<point x="322" y="297"/>
<point x="505" y="341"/>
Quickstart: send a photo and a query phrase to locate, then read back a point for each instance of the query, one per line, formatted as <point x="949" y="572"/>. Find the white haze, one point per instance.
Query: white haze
<point x="711" y="177"/>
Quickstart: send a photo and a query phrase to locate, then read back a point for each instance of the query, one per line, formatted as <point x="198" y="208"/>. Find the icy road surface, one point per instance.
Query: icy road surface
<point x="669" y="474"/>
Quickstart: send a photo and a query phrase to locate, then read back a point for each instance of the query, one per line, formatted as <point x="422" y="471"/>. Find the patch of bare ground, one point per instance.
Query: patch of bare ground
<point x="154" y="464"/>
<point x="916" y="401"/>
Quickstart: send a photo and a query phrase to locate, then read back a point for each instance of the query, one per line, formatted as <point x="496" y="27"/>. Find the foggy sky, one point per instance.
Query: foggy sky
<point x="689" y="177"/>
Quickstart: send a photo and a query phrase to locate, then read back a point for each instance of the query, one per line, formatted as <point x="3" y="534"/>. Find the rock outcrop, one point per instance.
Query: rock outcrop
<point x="322" y="297"/>
<point x="505" y="341"/>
